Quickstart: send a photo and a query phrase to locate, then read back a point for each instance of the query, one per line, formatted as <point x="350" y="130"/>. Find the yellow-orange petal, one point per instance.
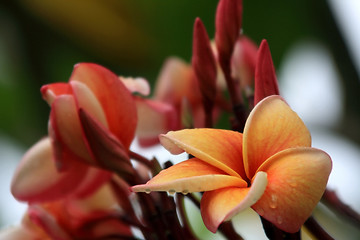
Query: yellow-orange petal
<point x="223" y="204"/>
<point x="220" y="148"/>
<point x="271" y="127"/>
<point x="297" y="179"/>
<point x="192" y="175"/>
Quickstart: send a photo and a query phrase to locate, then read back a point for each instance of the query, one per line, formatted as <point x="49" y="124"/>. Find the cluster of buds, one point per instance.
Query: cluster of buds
<point x="82" y="181"/>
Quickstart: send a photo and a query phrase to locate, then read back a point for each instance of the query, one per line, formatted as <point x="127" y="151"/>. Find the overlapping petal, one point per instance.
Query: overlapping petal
<point x="155" y="117"/>
<point x="92" y="180"/>
<point x="271" y="127"/>
<point x="136" y="85"/>
<point x="67" y="127"/>
<point x="51" y="91"/>
<point x="174" y="81"/>
<point x="106" y="149"/>
<point x="297" y="179"/>
<point x="222" y="204"/>
<point x="192" y="175"/>
<point x="85" y="99"/>
<point x="220" y="148"/>
<point x="37" y="179"/>
<point x="115" y="99"/>
<point x="48" y="223"/>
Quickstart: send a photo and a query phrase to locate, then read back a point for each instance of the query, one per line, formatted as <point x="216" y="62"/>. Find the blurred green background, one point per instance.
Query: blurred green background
<point x="41" y="40"/>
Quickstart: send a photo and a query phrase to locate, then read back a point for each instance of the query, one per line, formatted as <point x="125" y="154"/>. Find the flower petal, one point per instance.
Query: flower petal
<point x="174" y="81"/>
<point x="63" y="155"/>
<point x="106" y="149"/>
<point x="67" y="127"/>
<point x="85" y="99"/>
<point x="243" y="62"/>
<point x="116" y="100"/>
<point x="220" y="148"/>
<point x="91" y="182"/>
<point x="204" y="65"/>
<point x="108" y="226"/>
<point x="51" y="91"/>
<point x="37" y="179"/>
<point x="297" y="180"/>
<point x="155" y="118"/>
<point x="228" y="24"/>
<point x="192" y="175"/>
<point x="223" y="204"/>
<point x="265" y="77"/>
<point x="47" y="222"/>
<point x="136" y="85"/>
<point x="271" y="127"/>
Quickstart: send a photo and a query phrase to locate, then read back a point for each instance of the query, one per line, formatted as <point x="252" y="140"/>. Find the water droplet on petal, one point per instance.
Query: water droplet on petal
<point x="293" y="184"/>
<point x="148" y="191"/>
<point x="273" y="198"/>
<point x="185" y="192"/>
<point x="273" y="202"/>
<point x="172" y="191"/>
<point x="279" y="219"/>
<point x="273" y="205"/>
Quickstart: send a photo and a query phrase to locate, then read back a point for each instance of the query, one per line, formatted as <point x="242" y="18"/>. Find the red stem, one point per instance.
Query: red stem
<point x="331" y="199"/>
<point x="314" y="227"/>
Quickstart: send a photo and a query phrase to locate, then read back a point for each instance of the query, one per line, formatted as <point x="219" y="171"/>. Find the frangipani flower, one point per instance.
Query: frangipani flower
<point x="175" y="86"/>
<point x="270" y="167"/>
<point x="37" y="179"/>
<point x="95" y="216"/>
<point x="92" y="123"/>
<point x="95" y="97"/>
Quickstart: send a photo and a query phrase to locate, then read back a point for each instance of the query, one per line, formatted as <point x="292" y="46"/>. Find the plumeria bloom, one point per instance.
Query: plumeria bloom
<point x="93" y="92"/>
<point x="271" y="167"/>
<point x="92" y="124"/>
<point x="176" y="89"/>
<point x="37" y="179"/>
<point x="155" y="116"/>
<point x="95" y="216"/>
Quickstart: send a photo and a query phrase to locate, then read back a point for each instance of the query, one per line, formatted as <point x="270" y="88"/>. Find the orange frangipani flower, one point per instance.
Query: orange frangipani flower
<point x="271" y="167"/>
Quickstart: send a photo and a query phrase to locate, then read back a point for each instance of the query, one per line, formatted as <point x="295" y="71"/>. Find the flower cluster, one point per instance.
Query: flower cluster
<point x="83" y="181"/>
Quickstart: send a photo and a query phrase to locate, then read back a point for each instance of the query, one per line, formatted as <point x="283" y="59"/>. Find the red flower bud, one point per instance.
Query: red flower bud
<point x="265" y="77"/>
<point x="107" y="150"/>
<point x="228" y="24"/>
<point x="204" y="65"/>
